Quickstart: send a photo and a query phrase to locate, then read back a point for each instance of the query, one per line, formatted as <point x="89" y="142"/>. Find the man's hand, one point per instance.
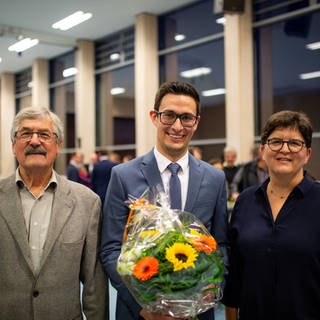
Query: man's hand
<point x="153" y="316"/>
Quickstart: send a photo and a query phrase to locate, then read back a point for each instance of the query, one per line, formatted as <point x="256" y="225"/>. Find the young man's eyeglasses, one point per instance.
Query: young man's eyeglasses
<point x="43" y="136"/>
<point x="169" y="118"/>
<point x="294" y="145"/>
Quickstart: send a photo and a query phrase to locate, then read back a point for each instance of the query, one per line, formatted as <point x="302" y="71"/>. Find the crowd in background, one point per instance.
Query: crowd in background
<point x="239" y="176"/>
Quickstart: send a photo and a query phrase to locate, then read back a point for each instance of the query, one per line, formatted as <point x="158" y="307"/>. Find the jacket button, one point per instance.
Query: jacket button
<point x="35" y="293"/>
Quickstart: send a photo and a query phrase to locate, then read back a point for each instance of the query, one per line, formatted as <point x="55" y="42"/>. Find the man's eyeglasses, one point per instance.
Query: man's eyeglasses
<point x="169" y="118"/>
<point x="294" y="145"/>
<point x="43" y="136"/>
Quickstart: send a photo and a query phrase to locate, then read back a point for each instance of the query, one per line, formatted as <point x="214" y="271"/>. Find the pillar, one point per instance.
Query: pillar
<point x="146" y="79"/>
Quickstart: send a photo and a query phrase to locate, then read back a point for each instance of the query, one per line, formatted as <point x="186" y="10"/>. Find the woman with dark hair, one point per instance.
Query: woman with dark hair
<point x="274" y="231"/>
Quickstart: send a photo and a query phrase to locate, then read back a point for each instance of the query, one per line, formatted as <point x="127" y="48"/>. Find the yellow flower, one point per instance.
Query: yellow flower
<point x="148" y="233"/>
<point x="181" y="255"/>
<point x="195" y="233"/>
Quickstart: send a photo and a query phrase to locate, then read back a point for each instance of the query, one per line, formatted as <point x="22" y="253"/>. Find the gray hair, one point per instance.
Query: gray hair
<point x="230" y="149"/>
<point x="35" y="113"/>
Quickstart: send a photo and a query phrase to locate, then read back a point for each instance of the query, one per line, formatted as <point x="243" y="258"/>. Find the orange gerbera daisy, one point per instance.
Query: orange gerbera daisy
<point x="146" y="268"/>
<point x="205" y="243"/>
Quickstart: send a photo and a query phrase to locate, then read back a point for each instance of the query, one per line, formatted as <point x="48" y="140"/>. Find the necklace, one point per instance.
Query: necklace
<point x="277" y="195"/>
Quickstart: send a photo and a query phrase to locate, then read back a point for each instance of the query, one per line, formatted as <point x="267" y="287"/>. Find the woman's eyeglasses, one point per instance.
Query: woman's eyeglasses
<point x="294" y="145"/>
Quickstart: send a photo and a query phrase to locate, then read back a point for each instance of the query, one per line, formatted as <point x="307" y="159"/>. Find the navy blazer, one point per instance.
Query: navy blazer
<point x="206" y="198"/>
<point x="100" y="177"/>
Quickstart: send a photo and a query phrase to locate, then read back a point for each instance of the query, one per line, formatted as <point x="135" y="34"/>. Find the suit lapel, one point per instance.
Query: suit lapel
<point x="150" y="170"/>
<point x="11" y="210"/>
<point x="195" y="178"/>
<point x="62" y="207"/>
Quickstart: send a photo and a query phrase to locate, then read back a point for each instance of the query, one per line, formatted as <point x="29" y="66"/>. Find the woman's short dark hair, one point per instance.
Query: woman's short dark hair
<point x="178" y="88"/>
<point x="291" y="119"/>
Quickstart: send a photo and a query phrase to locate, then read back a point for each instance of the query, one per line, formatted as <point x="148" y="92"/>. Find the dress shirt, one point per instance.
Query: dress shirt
<point x="275" y="264"/>
<point x="37" y="213"/>
<point x="165" y="173"/>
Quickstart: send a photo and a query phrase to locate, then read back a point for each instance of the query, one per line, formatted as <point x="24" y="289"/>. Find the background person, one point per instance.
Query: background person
<point x="230" y="167"/>
<point x="100" y="176"/>
<point x="274" y="232"/>
<point x="49" y="231"/>
<point x="76" y="170"/>
<point x="176" y="116"/>
<point x="216" y="162"/>
<point x="249" y="174"/>
<point x="196" y="152"/>
<point x="94" y="158"/>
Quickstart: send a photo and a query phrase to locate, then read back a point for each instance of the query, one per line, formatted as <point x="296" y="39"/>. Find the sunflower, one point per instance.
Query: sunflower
<point x="181" y="255"/>
<point x="204" y="243"/>
<point x="146" y="268"/>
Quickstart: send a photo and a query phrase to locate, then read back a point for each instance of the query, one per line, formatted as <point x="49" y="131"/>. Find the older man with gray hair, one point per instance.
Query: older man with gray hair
<point x="49" y="231"/>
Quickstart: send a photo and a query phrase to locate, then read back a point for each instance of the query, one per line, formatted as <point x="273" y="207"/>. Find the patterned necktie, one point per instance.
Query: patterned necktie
<point x="175" y="186"/>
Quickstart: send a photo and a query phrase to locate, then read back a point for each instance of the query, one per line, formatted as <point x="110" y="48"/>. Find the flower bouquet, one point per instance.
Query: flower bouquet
<point x="169" y="261"/>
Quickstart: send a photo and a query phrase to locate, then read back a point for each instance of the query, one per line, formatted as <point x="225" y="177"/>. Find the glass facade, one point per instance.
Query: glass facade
<point x="188" y="24"/>
<point x="115" y="110"/>
<point x="115" y="49"/>
<point x="114" y="67"/>
<point x="59" y="64"/>
<point x="62" y="102"/>
<point x="288" y="71"/>
<point x="199" y="61"/>
<point x="23" y="85"/>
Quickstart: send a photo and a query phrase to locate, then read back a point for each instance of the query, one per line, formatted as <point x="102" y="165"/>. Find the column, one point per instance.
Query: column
<point x="7" y="113"/>
<point x="239" y="81"/>
<point x="40" y="83"/>
<point x="85" y="121"/>
<point x="106" y="109"/>
<point x="146" y="79"/>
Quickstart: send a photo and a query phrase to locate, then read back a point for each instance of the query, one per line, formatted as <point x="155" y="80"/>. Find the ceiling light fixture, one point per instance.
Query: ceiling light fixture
<point x="197" y="72"/>
<point x="179" y="37"/>
<point x="117" y="90"/>
<point x="69" y="72"/>
<point x="213" y="92"/>
<point x="23" y="45"/>
<point x="221" y="20"/>
<point x="309" y="75"/>
<point x="72" y="20"/>
<point x="114" y="56"/>
<point x="0" y="59"/>
<point x="313" y="46"/>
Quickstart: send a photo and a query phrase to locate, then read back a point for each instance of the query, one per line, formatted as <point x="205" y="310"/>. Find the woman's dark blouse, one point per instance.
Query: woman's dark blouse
<point x="275" y="265"/>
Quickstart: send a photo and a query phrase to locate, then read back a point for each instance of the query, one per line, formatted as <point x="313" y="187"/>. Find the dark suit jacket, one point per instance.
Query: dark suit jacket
<point x="70" y="255"/>
<point x="100" y="177"/>
<point x="73" y="173"/>
<point x="206" y="198"/>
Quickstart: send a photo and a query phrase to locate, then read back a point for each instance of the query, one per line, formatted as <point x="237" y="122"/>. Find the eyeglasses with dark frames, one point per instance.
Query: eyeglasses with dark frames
<point x="169" y="117"/>
<point x="43" y="136"/>
<point x="294" y="145"/>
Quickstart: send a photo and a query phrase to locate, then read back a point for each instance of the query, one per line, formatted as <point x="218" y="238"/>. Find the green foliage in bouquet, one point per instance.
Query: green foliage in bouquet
<point x="177" y="263"/>
<point x="170" y="255"/>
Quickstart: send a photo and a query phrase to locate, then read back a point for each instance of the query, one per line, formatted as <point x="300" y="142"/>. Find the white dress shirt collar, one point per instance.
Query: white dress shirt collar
<point x="163" y="162"/>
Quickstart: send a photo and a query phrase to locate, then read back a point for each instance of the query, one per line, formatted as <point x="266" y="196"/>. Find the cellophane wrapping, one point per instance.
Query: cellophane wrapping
<point x="169" y="261"/>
